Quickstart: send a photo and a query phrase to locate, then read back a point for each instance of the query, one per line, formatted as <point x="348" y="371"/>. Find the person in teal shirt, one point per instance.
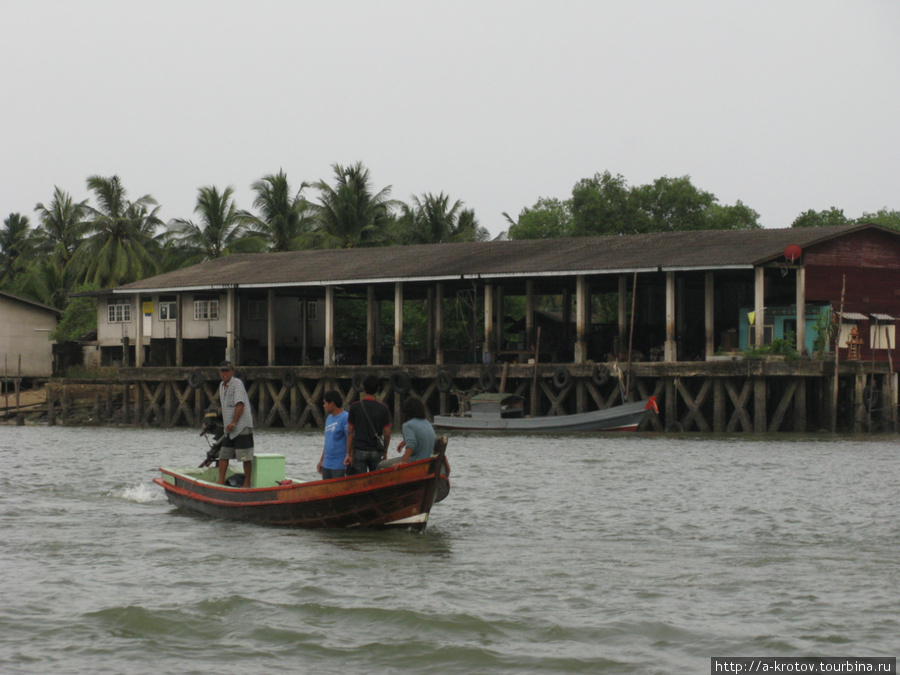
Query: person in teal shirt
<point x="418" y="434"/>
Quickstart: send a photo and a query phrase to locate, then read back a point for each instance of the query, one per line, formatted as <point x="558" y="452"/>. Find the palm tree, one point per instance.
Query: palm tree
<point x="433" y="220"/>
<point x="45" y="280"/>
<point x="62" y="226"/>
<point x="14" y="246"/>
<point x="122" y="245"/>
<point x="468" y="229"/>
<point x="284" y="217"/>
<point x="221" y="230"/>
<point x="349" y="215"/>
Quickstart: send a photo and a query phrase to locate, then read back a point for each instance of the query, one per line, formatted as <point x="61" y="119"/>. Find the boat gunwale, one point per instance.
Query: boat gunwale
<point x="238" y="492"/>
<point x="549" y="423"/>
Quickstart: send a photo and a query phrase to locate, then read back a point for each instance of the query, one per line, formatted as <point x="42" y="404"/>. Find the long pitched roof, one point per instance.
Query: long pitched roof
<point x="694" y="250"/>
<point x="30" y="302"/>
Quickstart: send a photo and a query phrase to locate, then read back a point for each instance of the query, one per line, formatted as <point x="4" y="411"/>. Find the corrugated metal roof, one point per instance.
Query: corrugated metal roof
<point x="853" y="316"/>
<point x="883" y="317"/>
<point x="697" y="250"/>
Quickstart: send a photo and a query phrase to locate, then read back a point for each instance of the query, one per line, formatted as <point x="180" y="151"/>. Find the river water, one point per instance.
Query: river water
<point x="588" y="554"/>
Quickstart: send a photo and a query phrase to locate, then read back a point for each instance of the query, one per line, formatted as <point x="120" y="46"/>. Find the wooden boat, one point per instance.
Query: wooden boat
<point x="504" y="412"/>
<point x="399" y="496"/>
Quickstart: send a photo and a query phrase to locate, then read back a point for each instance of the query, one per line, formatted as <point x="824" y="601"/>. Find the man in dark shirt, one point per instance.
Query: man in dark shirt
<point x="364" y="427"/>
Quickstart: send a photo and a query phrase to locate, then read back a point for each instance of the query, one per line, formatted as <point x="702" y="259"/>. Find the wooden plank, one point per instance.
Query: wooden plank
<point x="800" y="405"/>
<point x="740" y="416"/>
<point x="783" y="405"/>
<point x="278" y="408"/>
<point x="759" y="404"/>
<point x="694" y="414"/>
<point x="719" y="402"/>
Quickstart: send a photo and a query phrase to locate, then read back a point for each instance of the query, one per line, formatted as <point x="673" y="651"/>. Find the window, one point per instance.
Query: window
<point x="882" y="336"/>
<point x="168" y="309"/>
<point x="312" y="311"/>
<point x="256" y="310"/>
<point x="119" y="311"/>
<point x="206" y="310"/>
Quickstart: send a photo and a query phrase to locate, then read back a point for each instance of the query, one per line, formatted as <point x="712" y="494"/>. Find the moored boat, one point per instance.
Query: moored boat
<point x="399" y="496"/>
<point x="504" y="412"/>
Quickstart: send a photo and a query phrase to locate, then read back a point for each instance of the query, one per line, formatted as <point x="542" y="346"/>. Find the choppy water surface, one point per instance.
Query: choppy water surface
<point x="587" y="554"/>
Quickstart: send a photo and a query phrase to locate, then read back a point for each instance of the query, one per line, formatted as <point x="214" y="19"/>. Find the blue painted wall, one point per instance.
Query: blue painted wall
<point x="782" y="320"/>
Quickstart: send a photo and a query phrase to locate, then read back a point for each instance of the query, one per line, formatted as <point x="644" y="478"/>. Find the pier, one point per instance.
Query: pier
<point x="739" y="396"/>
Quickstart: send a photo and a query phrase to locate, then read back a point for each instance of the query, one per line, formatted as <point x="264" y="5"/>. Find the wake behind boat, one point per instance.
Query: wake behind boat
<point x="400" y="495"/>
<point x="504" y="412"/>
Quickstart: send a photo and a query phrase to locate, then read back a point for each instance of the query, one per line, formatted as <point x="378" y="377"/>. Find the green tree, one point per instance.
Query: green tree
<point x="349" y="214"/>
<point x="883" y="217"/>
<point x="813" y="218"/>
<point x="285" y="216"/>
<point x="605" y="204"/>
<point x="15" y="245"/>
<point x="547" y="219"/>
<point x="79" y="317"/>
<point x="62" y="227"/>
<point x="673" y="204"/>
<point x="122" y="244"/>
<point x="736" y="217"/>
<point x="221" y="229"/>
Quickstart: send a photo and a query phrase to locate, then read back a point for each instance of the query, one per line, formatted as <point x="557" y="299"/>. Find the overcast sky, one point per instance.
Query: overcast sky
<point x="786" y="106"/>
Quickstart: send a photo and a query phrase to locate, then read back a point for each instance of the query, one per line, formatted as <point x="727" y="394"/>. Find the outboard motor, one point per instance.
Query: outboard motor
<point x="214" y="426"/>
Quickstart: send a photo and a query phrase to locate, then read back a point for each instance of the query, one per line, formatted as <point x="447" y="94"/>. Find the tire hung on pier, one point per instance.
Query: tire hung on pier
<point x="600" y="376"/>
<point x="561" y="378"/>
<point x="488" y="380"/>
<point x="195" y="379"/>
<point x="400" y="382"/>
<point x="444" y="382"/>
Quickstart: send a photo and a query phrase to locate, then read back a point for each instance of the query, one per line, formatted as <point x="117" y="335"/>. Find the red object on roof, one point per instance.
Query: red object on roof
<point x="793" y="252"/>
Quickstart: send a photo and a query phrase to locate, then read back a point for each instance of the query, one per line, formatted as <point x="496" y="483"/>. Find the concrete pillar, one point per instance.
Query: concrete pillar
<point x="398" y="323"/>
<point x="759" y="304"/>
<point x="487" y="356"/>
<point x="498" y="318"/>
<point x="328" y="355"/>
<point x="139" y="335"/>
<point x="439" y="324"/>
<point x="179" y="332"/>
<point x="671" y="346"/>
<point x="371" y="323"/>
<point x="582" y="302"/>
<point x="270" y="326"/>
<point x="709" y="313"/>
<point x="303" y="309"/>
<point x="760" y="416"/>
<point x="429" y="323"/>
<point x="622" y="345"/>
<point x="529" y="314"/>
<point x="801" y="309"/>
<point x="230" y="326"/>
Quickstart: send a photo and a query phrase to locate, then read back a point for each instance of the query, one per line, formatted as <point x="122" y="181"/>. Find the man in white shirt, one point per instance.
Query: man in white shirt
<point x="238" y="421"/>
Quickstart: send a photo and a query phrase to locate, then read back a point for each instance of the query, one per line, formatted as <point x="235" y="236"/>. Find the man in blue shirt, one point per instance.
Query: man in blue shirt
<point x="331" y="465"/>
